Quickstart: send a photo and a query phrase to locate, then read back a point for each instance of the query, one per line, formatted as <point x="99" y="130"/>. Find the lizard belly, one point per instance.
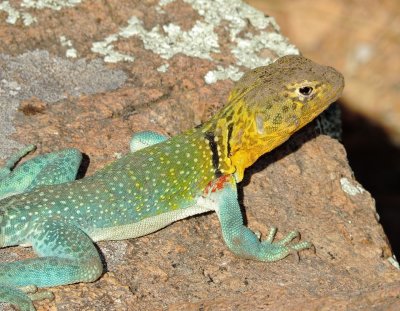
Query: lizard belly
<point x="152" y="223"/>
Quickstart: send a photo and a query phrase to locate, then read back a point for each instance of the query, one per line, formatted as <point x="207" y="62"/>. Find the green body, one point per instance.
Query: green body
<point x="160" y="181"/>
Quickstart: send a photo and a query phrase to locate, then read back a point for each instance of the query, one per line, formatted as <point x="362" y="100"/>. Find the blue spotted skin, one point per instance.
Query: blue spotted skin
<point x="48" y="169"/>
<point x="160" y="181"/>
<point x="60" y="221"/>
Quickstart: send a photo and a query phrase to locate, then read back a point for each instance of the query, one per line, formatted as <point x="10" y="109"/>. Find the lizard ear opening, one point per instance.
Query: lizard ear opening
<point x="260" y="124"/>
<point x="306" y="90"/>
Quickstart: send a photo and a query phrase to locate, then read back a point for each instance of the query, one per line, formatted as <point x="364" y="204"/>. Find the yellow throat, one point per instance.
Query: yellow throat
<point x="266" y="106"/>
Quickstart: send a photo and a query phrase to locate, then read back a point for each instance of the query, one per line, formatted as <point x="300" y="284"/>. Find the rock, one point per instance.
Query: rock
<point x="365" y="50"/>
<point x="166" y="67"/>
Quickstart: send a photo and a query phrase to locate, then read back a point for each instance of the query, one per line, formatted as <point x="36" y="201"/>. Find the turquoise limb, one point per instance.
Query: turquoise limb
<point x="242" y="241"/>
<point x="46" y="169"/>
<point x="16" y="297"/>
<point x="145" y="139"/>
<point x="6" y="169"/>
<point x="68" y="257"/>
<point x="23" y="297"/>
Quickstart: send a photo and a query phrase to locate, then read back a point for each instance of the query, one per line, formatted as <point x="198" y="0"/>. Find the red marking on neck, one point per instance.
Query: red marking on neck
<point x="216" y="184"/>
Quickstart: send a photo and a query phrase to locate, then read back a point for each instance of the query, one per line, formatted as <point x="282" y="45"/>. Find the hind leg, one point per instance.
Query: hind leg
<point x="46" y="169"/>
<point x="67" y="255"/>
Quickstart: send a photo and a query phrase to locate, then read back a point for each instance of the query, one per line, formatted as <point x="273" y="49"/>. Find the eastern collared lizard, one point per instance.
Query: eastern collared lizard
<point x="160" y="181"/>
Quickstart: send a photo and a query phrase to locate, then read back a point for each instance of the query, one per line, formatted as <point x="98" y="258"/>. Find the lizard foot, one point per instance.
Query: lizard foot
<point x="272" y="251"/>
<point x="22" y="297"/>
<point x="33" y="294"/>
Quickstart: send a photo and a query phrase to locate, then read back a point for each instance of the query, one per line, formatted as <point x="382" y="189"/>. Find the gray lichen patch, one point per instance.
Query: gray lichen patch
<point x="106" y="48"/>
<point x="237" y="13"/>
<point x="212" y="30"/>
<point x="53" y="78"/>
<point x="202" y="40"/>
<point x="349" y="188"/>
<point x="50" y="79"/>
<point x="163" y="68"/>
<point x="246" y="50"/>
<point x="246" y="46"/>
<point x="71" y="51"/>
<point x="49" y="4"/>
<point x="231" y="72"/>
<point x="165" y="41"/>
<point x="15" y="13"/>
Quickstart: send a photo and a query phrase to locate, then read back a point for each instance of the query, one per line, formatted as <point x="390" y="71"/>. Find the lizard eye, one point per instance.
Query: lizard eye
<point x="306" y="90"/>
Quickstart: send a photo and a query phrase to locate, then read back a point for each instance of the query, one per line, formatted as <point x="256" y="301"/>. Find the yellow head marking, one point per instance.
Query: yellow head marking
<point x="267" y="106"/>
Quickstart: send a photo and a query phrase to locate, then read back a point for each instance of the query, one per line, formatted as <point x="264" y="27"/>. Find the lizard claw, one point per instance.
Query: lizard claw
<point x="280" y="249"/>
<point x="33" y="294"/>
<point x="258" y="234"/>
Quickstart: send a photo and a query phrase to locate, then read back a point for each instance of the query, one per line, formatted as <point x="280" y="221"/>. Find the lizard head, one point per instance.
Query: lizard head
<point x="288" y="94"/>
<point x="268" y="104"/>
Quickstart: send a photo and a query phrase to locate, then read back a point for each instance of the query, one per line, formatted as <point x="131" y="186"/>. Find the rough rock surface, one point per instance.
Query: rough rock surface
<point x="361" y="39"/>
<point x="306" y="184"/>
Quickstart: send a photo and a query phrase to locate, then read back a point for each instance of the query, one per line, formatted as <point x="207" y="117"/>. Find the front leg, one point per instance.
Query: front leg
<point x="145" y="139"/>
<point x="241" y="240"/>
